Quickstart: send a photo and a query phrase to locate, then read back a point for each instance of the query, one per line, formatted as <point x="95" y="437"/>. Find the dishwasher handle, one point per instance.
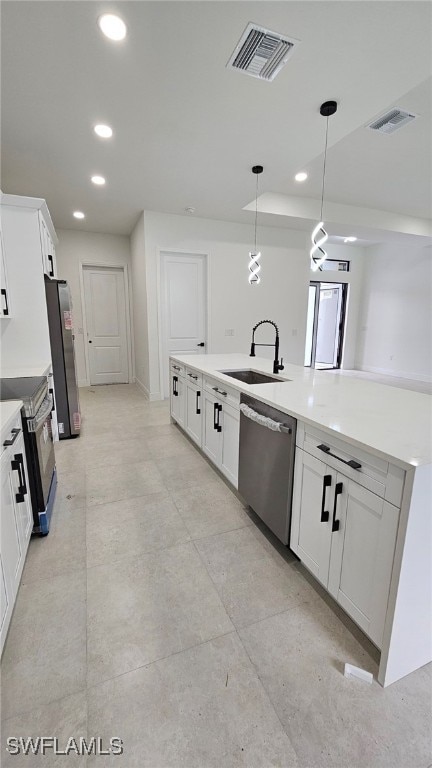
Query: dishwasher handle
<point x="264" y="421"/>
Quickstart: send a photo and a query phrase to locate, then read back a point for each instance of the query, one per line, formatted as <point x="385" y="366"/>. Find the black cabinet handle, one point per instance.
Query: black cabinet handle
<point x="4" y="293"/>
<point x="175" y="380"/>
<point x="338" y="491"/>
<point x="192" y="376"/>
<point x="16" y="465"/>
<point x="220" y="391"/>
<point x="351" y="463"/>
<point x="215" y="414"/>
<point x="219" y="428"/>
<point x="15" y="432"/>
<point x="201" y="344"/>
<point x="198" y="409"/>
<point x="50" y="259"/>
<point x="327" y="480"/>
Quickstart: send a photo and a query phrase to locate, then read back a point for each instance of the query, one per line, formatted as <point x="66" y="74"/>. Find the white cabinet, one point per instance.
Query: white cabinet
<point x="177" y="397"/>
<point x="5" y="305"/>
<point x="193" y="415"/>
<point x="47" y="249"/>
<point x="345" y="535"/>
<point x="221" y="429"/>
<point x="16" y="522"/>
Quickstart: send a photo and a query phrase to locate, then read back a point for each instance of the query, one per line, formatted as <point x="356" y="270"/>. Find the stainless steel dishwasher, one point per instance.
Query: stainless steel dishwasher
<point x="266" y="463"/>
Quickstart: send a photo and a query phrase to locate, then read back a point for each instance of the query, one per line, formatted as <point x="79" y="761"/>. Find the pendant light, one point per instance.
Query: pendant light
<point x="319" y="235"/>
<point x="255" y="255"/>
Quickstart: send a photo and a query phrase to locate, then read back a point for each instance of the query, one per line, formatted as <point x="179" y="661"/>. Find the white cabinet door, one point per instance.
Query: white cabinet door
<point x="23" y="508"/>
<point x="212" y="443"/>
<point x="178" y="399"/>
<point x="229" y="419"/>
<point x="194" y="413"/>
<point x="10" y="529"/>
<point x="362" y="555"/>
<point x="5" y="310"/>
<point x="312" y="514"/>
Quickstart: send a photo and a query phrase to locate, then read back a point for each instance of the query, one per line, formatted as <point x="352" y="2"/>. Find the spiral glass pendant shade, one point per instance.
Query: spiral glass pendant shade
<point x="254" y="265"/>
<point x="319" y="236"/>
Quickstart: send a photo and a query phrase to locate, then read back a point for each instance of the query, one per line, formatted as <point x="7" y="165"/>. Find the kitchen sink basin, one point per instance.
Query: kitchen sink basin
<point x="252" y="377"/>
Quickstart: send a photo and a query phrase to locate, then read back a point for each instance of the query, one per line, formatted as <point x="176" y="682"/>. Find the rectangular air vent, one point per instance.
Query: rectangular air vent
<point x="392" y="121"/>
<point x="261" y="53"/>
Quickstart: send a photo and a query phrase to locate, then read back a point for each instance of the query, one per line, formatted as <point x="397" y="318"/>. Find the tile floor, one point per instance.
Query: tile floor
<point x="158" y="611"/>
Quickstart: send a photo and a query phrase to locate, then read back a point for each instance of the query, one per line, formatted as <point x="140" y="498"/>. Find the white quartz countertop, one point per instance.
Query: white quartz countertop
<point x="17" y="372"/>
<point x="8" y="411"/>
<point x="393" y="423"/>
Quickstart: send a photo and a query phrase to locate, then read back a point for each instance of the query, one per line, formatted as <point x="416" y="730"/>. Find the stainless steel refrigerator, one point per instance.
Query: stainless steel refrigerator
<point x="63" y="357"/>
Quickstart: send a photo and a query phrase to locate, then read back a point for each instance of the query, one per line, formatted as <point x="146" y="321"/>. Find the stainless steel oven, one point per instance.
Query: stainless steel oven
<point x="38" y="440"/>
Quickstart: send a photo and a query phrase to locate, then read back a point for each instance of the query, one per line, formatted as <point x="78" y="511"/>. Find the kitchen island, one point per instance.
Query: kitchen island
<point x="376" y="562"/>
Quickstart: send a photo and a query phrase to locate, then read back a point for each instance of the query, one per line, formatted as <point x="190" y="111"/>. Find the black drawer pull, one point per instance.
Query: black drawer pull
<point x="18" y="466"/>
<point x="15" y="432"/>
<point x="192" y="376"/>
<point x="4" y="293"/>
<point x="327" y="480"/>
<point x="198" y="409"/>
<point x="174" y="391"/>
<point x="351" y="463"/>
<point x="338" y="491"/>
<point x="220" y="391"/>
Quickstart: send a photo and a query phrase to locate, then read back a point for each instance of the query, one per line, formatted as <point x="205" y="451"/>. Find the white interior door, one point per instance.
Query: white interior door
<point x="327" y="339"/>
<point x="105" y="307"/>
<point x="184" y="307"/>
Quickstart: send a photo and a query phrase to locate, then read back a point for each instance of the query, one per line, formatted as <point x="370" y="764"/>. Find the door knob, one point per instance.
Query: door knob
<point x="90" y="342"/>
<point x="201" y="344"/>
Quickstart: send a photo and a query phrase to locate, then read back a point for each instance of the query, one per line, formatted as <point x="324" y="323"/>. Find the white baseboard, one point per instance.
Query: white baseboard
<point x="83" y="383"/>
<point x="395" y="374"/>
<point x="142" y="387"/>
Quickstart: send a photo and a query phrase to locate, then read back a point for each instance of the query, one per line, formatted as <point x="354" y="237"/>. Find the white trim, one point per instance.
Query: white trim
<point x="150" y="396"/>
<point x="207" y="261"/>
<point x="107" y="265"/>
<point x="395" y="374"/>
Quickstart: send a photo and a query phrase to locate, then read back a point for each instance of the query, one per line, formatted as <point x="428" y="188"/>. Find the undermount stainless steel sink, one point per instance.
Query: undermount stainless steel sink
<point x="252" y="377"/>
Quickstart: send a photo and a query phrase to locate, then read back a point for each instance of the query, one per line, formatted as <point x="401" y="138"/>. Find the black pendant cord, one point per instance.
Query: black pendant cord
<point x="256" y="213"/>
<point x="324" y="169"/>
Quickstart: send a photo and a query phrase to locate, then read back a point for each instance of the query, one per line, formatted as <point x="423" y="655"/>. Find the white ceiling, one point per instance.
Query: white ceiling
<point x="187" y="130"/>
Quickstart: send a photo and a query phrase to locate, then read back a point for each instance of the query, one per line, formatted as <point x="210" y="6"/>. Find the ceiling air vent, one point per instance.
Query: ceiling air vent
<point x="392" y="121"/>
<point x="261" y="53"/>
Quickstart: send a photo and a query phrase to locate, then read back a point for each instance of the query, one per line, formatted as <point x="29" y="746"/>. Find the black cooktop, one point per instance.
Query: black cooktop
<point x="24" y="388"/>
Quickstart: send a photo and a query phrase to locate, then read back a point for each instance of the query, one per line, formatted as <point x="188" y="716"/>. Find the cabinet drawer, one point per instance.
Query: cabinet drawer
<point x="375" y="474"/>
<point x="177" y="368"/>
<point x="194" y="377"/>
<point x="223" y="393"/>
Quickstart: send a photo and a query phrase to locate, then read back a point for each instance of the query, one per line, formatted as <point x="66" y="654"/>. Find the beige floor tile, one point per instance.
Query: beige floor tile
<point x="123" y="481"/>
<point x="71" y="491"/>
<point x="333" y="721"/>
<point x="61" y="551"/>
<point x="61" y="719"/>
<point x="253" y="579"/>
<point x="147" y="607"/>
<point x="126" y="451"/>
<point x="45" y="653"/>
<point x="133" y="526"/>
<point x="185" y="471"/>
<point x="209" y="509"/>
<point x="203" y="708"/>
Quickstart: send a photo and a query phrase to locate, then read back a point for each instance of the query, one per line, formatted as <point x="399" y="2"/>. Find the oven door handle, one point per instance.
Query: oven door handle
<point x="42" y="414"/>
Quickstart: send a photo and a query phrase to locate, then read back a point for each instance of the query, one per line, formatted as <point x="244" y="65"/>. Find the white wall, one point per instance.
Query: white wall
<point x="73" y="248"/>
<point x="139" y="289"/>
<point x="395" y="334"/>
<point x="233" y="304"/>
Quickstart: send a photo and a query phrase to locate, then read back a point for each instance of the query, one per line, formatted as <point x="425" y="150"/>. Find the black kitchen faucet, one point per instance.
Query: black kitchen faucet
<point x="277" y="366"/>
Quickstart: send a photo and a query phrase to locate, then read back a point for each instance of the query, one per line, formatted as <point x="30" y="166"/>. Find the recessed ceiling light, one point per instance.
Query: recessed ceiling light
<point x="302" y="176"/>
<point x="104" y="131"/>
<point x="350" y="239"/>
<point x="190" y="209"/>
<point x="79" y="215"/>
<point x="98" y="180"/>
<point x="112" y="26"/>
